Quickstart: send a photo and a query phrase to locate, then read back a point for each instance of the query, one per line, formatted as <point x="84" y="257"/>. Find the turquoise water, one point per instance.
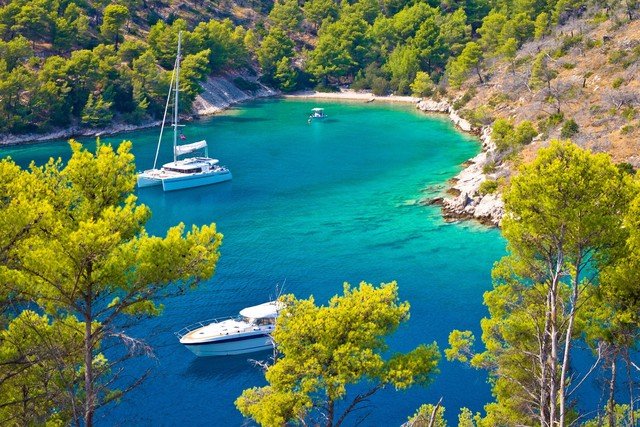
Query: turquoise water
<point x="314" y="205"/>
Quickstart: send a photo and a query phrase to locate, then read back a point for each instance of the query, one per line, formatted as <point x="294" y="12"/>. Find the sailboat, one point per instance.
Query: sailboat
<point x="187" y="172"/>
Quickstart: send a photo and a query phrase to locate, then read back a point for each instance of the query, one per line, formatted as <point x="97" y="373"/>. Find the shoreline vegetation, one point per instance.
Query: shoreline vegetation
<point x="461" y="199"/>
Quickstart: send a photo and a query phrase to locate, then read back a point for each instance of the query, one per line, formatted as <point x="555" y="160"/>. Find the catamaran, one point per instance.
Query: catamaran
<point x="188" y="172"/>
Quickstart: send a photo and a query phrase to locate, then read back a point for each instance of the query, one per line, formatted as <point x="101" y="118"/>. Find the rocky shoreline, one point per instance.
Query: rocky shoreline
<point x="219" y="93"/>
<point x="463" y="199"/>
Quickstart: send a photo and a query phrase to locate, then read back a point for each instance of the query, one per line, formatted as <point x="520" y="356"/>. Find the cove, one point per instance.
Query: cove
<point x="311" y="206"/>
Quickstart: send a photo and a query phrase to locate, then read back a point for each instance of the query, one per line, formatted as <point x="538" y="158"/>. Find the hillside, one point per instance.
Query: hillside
<point x="597" y="66"/>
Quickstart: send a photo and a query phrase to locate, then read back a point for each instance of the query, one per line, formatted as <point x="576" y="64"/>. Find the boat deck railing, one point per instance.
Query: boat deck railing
<point x="184" y="331"/>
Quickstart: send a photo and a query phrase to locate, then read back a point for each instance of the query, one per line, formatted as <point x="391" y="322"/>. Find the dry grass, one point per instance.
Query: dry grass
<point x="597" y="85"/>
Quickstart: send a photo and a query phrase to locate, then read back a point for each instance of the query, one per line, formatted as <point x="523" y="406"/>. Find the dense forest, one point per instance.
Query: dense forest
<point x="69" y="62"/>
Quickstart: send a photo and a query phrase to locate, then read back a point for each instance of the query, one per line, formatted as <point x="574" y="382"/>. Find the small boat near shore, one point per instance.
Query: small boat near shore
<point x="316" y="113"/>
<point x="247" y="333"/>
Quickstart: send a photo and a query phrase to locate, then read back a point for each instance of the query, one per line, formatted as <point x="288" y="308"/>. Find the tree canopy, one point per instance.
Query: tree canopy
<point x="74" y="249"/>
<point x="325" y="349"/>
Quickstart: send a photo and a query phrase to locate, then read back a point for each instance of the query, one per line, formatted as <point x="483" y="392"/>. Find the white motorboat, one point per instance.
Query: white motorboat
<point x="247" y="333"/>
<point x="189" y="172"/>
<point x="317" y="113"/>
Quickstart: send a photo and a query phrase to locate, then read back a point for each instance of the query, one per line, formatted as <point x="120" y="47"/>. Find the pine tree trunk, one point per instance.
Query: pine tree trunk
<point x="612" y="388"/>
<point x="632" y="415"/>
<point x="89" y="405"/>
<point x="566" y="357"/>
<point x="330" y="413"/>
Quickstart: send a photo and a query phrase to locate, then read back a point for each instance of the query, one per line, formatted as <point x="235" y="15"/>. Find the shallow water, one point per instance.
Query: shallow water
<point x="312" y="205"/>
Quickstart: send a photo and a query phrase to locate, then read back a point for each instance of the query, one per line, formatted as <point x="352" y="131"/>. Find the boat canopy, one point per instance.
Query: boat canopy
<point x="317" y="109"/>
<point x="262" y="311"/>
<point x="190" y="148"/>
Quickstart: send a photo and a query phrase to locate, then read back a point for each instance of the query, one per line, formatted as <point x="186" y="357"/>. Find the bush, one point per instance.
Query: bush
<point x="488" y="187"/>
<point x="462" y="101"/>
<point x="321" y="87"/>
<point x="489" y="167"/>
<point x="480" y="116"/>
<point x="422" y="85"/>
<point x="617" y="83"/>
<point x="627" y="168"/>
<point x="569" y="128"/>
<point x="629" y="113"/>
<point x="524" y="133"/>
<point x="626" y="129"/>
<point x="502" y="130"/>
<point x="380" y="86"/>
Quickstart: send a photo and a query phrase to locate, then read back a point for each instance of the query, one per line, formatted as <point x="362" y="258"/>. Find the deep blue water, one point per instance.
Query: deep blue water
<point x="314" y="205"/>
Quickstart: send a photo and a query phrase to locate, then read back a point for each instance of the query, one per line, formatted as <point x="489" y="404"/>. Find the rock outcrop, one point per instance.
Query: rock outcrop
<point x="221" y="92"/>
<point x="463" y="199"/>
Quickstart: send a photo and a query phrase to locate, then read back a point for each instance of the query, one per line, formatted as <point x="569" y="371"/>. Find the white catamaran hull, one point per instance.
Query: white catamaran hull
<point x="194" y="180"/>
<point x="147" y="181"/>
<point x="230" y="346"/>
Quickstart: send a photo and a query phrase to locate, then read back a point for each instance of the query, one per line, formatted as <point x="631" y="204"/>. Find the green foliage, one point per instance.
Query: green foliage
<point x="403" y="65"/>
<point x="617" y="82"/>
<point x="488" y="186"/>
<point x="325" y="349"/>
<point x="316" y="11"/>
<point x="115" y="16"/>
<point x="508" y="137"/>
<point x="541" y="73"/>
<point x="97" y="112"/>
<point x="626" y="168"/>
<point x="342" y="49"/>
<point x="479" y="116"/>
<point x="541" y="26"/>
<point x="287" y="15"/>
<point x="569" y="129"/>
<point x="422" y="85"/>
<point x="286" y="76"/>
<point x="428" y="415"/>
<point x="464" y="99"/>
<point x="275" y="46"/>
<point x="509" y="50"/>
<point x="470" y="59"/>
<point x="73" y="241"/>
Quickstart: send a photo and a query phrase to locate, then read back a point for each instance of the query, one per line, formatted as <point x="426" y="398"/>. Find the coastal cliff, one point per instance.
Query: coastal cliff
<point x="464" y="198"/>
<point x="221" y="92"/>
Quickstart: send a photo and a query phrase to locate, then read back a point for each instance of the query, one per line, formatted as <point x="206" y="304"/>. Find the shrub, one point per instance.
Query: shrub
<point x="629" y="113"/>
<point x="321" y="87"/>
<point x="617" y="56"/>
<point x="462" y="101"/>
<point x="489" y="167"/>
<point x="617" y="82"/>
<point x="498" y="98"/>
<point x="626" y="168"/>
<point x="380" y="86"/>
<point x="502" y="130"/>
<point x="569" y="128"/>
<point x="524" y="133"/>
<point x="626" y="129"/>
<point x="422" y="85"/>
<point x="480" y="116"/>
<point x="488" y="187"/>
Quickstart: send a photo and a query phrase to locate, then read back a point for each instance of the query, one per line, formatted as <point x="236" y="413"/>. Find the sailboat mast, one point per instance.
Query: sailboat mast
<point x="175" y="103"/>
